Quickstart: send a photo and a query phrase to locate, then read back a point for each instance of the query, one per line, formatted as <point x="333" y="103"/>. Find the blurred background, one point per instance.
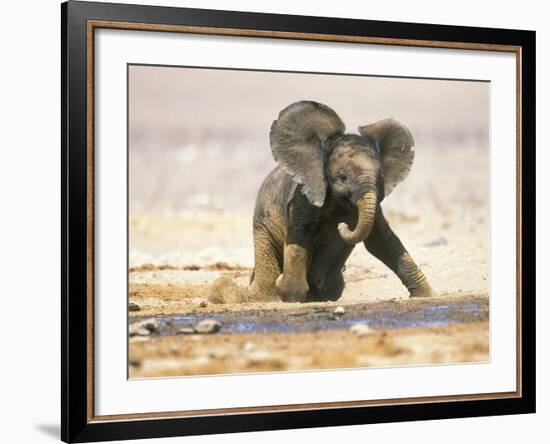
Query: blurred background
<point x="199" y="151"/>
<point x="199" y="138"/>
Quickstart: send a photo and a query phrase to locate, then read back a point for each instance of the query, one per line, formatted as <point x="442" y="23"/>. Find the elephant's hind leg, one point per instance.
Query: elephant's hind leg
<point x="267" y="268"/>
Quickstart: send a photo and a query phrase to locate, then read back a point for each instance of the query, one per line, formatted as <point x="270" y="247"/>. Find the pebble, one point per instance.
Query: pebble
<point x="138" y="331"/>
<point x="144" y="328"/>
<point x="203" y="304"/>
<point x="150" y="324"/>
<point x="361" y="330"/>
<point x="132" y="306"/>
<point x="207" y="326"/>
<point x="185" y="331"/>
<point x="339" y="311"/>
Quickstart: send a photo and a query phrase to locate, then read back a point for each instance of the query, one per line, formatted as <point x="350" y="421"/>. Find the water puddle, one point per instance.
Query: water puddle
<point x="378" y="315"/>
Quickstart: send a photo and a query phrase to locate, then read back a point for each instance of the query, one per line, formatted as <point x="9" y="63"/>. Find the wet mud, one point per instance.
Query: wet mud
<point x="381" y="316"/>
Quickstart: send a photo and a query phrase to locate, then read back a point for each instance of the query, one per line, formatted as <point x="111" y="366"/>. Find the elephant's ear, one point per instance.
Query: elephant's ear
<point x="297" y="138"/>
<point x="396" y="145"/>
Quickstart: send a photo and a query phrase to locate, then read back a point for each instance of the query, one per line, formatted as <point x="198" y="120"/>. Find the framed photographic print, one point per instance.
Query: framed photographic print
<point x="275" y="221"/>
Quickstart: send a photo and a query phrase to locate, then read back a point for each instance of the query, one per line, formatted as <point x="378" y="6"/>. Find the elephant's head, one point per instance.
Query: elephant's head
<point x="308" y="142"/>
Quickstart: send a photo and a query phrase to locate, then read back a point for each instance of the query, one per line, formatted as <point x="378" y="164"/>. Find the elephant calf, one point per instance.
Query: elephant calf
<point x="322" y="199"/>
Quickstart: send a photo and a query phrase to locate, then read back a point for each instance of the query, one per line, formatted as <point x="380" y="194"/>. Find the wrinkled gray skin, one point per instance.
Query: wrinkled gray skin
<point x="323" y="199"/>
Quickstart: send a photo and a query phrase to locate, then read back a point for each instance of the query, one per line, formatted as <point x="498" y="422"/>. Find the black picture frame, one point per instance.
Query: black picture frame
<point x="77" y="425"/>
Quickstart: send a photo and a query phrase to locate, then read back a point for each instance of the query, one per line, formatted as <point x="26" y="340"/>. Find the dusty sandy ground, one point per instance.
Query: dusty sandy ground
<point x="241" y="353"/>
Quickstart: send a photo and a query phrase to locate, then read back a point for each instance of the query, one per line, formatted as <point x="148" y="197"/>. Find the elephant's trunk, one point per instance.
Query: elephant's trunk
<point x="366" y="208"/>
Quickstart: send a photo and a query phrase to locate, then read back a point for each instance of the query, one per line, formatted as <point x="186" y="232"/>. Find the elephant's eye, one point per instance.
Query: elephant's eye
<point x="342" y="177"/>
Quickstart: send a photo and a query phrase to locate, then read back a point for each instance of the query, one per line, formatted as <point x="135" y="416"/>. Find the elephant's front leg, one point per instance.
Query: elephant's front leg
<point x="302" y="223"/>
<point x="386" y="246"/>
<point x="293" y="281"/>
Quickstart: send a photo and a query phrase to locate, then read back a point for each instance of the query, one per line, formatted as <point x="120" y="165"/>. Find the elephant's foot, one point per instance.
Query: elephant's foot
<point x="292" y="290"/>
<point x="263" y="293"/>
<point x="422" y="291"/>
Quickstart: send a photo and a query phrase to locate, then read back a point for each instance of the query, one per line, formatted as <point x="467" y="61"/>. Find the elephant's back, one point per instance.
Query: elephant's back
<point x="271" y="203"/>
<point x="275" y="190"/>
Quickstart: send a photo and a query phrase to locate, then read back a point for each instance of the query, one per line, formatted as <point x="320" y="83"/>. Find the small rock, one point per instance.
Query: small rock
<point x="150" y="324"/>
<point x="436" y="242"/>
<point x="361" y="330"/>
<point x="207" y="326"/>
<point x="138" y="331"/>
<point x="132" y="306"/>
<point x="339" y="311"/>
<point x="185" y="331"/>
<point x="144" y="328"/>
<point x="196" y="301"/>
<point x="203" y="304"/>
